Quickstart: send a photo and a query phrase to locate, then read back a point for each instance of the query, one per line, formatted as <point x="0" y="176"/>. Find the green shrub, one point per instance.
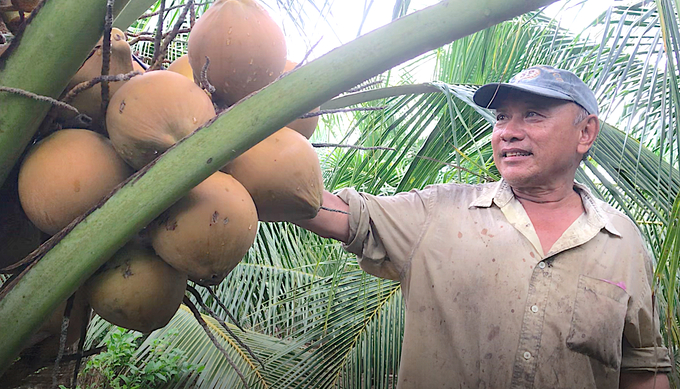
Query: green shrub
<point x="119" y="368"/>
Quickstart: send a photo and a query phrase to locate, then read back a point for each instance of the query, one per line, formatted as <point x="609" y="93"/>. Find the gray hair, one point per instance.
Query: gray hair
<point x="582" y="115"/>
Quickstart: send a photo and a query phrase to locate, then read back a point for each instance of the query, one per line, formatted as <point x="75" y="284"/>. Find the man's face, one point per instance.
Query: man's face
<point x="536" y="143"/>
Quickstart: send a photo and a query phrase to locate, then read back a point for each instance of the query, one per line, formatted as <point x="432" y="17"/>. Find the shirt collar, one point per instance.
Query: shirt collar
<point x="500" y="193"/>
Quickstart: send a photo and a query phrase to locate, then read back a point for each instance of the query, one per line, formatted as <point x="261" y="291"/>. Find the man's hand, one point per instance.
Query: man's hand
<point x="643" y="380"/>
<point x="329" y="224"/>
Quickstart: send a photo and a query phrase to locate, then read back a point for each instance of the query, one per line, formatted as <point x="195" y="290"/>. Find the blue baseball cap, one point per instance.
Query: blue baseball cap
<point x="541" y="80"/>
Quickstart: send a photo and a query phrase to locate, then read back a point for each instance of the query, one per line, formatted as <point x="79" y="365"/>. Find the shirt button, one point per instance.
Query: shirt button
<point x="541" y="265"/>
<point x="527" y="355"/>
<point x="534" y="309"/>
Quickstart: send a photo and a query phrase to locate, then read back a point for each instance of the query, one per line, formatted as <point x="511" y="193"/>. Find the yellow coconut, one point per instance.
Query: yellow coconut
<point x="65" y="175"/>
<point x="207" y="233"/>
<point x="181" y="65"/>
<point x="247" y="50"/>
<point x="306" y="126"/>
<point x="153" y="111"/>
<point x="136" y="289"/>
<point x="283" y="176"/>
<point x="89" y="101"/>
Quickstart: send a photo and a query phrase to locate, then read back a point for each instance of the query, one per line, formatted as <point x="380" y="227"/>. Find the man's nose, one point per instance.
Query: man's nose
<point x="512" y="130"/>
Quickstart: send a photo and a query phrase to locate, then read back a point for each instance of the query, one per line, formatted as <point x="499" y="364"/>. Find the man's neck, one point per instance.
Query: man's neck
<point x="551" y="211"/>
<point x="548" y="196"/>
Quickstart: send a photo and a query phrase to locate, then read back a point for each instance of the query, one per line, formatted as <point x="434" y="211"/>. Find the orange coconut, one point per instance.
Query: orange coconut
<point x="65" y="175"/>
<point x="153" y="111"/>
<point x="207" y="233"/>
<point x="247" y="49"/>
<point x="181" y="65"/>
<point x="283" y="176"/>
<point x="136" y="289"/>
<point x="89" y="101"/>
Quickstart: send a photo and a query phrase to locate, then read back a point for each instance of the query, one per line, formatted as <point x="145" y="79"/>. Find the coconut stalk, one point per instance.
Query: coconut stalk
<point x="150" y="191"/>
<point x="56" y="41"/>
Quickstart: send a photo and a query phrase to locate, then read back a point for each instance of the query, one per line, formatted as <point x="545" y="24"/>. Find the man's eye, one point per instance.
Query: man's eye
<point x="531" y="114"/>
<point x="500" y="117"/>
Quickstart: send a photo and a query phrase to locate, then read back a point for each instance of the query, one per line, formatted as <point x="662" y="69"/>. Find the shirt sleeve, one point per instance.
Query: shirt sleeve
<point x="384" y="230"/>
<point x="643" y="348"/>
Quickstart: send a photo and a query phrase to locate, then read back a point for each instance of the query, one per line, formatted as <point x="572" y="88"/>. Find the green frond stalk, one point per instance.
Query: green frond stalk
<point x="149" y="192"/>
<point x="131" y="12"/>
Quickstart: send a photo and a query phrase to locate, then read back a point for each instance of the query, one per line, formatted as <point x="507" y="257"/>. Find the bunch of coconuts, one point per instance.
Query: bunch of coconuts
<point x="204" y="235"/>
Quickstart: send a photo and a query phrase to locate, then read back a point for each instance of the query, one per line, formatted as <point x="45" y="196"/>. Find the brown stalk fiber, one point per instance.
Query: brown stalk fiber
<point x="212" y="337"/>
<point x="62" y="338"/>
<point x="219" y="302"/>
<point x="158" y="62"/>
<point x="197" y="295"/>
<point x="106" y="55"/>
<point x="159" y="34"/>
<point x="39" y="98"/>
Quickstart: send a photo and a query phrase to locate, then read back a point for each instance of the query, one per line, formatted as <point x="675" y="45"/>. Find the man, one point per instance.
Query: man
<point x="529" y="282"/>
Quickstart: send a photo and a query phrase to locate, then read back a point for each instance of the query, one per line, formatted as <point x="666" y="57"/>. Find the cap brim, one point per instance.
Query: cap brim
<point x="489" y="95"/>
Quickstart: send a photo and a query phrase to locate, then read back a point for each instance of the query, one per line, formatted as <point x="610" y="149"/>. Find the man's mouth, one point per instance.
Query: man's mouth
<point x="516" y="154"/>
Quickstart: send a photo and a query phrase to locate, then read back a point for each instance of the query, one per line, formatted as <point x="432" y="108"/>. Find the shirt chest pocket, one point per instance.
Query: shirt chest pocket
<point x="598" y="319"/>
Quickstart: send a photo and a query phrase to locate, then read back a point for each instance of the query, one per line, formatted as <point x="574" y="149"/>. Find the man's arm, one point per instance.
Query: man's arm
<point x="643" y="380"/>
<point x="329" y="224"/>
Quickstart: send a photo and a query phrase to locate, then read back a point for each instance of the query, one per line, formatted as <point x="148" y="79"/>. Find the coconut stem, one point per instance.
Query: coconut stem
<point x="106" y="56"/>
<point x="89" y="84"/>
<point x="219" y="302"/>
<point x="212" y="337"/>
<point x="212" y="313"/>
<point x="62" y="338"/>
<point x="205" y="84"/>
<point x="159" y="34"/>
<point x="149" y="38"/>
<point x="81" y="345"/>
<point x="192" y="15"/>
<point x="34" y="96"/>
<point x="173" y="33"/>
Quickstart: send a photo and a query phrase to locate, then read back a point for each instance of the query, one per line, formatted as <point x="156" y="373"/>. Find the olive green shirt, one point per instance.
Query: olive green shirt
<point x="487" y="308"/>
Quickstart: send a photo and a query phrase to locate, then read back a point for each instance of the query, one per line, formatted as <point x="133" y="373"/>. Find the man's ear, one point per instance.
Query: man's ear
<point x="588" y="133"/>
